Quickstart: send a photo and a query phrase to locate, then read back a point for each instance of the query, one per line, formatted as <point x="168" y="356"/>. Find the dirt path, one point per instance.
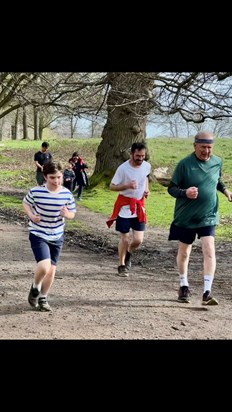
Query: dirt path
<point x="90" y="301"/>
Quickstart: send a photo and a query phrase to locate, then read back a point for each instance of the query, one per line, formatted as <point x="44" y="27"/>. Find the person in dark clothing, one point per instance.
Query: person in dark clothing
<point x="40" y="158"/>
<point x="72" y="161"/>
<point x="81" y="179"/>
<point x="69" y="177"/>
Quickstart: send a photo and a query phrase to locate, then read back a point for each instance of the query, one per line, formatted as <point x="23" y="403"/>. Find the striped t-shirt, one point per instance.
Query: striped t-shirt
<point x="48" y="205"/>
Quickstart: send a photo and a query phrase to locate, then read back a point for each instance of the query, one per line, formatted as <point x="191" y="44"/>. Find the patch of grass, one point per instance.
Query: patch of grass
<point x="76" y="225"/>
<point x="17" y="170"/>
<point x="4" y="159"/>
<point x="159" y="205"/>
<point x="18" y="155"/>
<point x="10" y="202"/>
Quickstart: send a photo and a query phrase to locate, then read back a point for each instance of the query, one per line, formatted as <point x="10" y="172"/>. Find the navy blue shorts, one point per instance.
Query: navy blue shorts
<point x="43" y="249"/>
<point x="124" y="224"/>
<point x="188" y="236"/>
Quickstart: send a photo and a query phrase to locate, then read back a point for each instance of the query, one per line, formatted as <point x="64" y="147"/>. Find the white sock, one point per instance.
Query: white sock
<point x="37" y="286"/>
<point x="208" y="280"/>
<point x="41" y="295"/>
<point x="183" y="280"/>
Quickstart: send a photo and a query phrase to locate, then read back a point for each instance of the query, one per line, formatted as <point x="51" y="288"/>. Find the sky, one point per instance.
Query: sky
<point x="84" y="125"/>
<point x="151" y="132"/>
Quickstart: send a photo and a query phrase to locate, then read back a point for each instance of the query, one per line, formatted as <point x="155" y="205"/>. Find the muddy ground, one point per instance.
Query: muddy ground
<point x="91" y="302"/>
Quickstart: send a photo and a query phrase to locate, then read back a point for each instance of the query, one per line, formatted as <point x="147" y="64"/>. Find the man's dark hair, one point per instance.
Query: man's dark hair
<point x="137" y="146"/>
<point x="45" y="144"/>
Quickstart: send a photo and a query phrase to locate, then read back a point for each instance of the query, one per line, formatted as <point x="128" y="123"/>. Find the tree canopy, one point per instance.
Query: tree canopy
<point x="124" y="100"/>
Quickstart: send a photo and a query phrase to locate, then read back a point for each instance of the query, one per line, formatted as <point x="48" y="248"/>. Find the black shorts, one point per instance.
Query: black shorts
<point x="188" y="236"/>
<point x="124" y="224"/>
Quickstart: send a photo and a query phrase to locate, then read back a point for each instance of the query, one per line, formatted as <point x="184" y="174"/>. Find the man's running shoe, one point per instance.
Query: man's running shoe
<point x="184" y="294"/>
<point x="33" y="297"/>
<point x="128" y="260"/>
<point x="43" y="305"/>
<point x="122" y="271"/>
<point x="208" y="299"/>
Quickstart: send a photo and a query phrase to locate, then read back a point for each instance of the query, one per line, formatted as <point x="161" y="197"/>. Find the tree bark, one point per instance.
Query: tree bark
<point x="41" y="126"/>
<point x="15" y="135"/>
<point x="36" y="135"/>
<point x="128" y="106"/>
<point x="25" y="130"/>
<point x="2" y="122"/>
<point x="72" y="126"/>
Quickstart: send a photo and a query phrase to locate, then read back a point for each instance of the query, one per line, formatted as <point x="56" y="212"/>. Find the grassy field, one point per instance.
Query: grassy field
<point x="17" y="170"/>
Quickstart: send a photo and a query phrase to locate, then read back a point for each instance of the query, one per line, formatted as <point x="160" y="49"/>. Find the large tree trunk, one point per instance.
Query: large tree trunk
<point x="128" y="106"/>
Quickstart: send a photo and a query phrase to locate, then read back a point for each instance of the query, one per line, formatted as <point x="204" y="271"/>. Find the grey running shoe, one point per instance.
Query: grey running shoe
<point x="184" y="294"/>
<point x="43" y="305"/>
<point x="208" y="299"/>
<point x="128" y="260"/>
<point x="122" y="271"/>
<point x="33" y="297"/>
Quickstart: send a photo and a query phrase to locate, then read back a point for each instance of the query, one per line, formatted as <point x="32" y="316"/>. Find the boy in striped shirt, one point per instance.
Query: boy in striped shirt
<point x="47" y="207"/>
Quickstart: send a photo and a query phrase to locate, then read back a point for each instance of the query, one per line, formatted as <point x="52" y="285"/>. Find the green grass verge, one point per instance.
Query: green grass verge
<point x="17" y="170"/>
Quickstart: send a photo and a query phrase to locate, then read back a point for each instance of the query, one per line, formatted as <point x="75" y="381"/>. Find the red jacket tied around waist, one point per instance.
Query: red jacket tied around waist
<point x="134" y="203"/>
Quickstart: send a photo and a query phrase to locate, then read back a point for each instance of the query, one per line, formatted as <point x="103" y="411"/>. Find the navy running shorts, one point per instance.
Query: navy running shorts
<point x="43" y="249"/>
<point x="124" y="224"/>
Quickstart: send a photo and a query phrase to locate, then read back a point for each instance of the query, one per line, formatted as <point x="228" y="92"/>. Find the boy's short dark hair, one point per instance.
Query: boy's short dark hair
<point x="52" y="167"/>
<point x="45" y="144"/>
